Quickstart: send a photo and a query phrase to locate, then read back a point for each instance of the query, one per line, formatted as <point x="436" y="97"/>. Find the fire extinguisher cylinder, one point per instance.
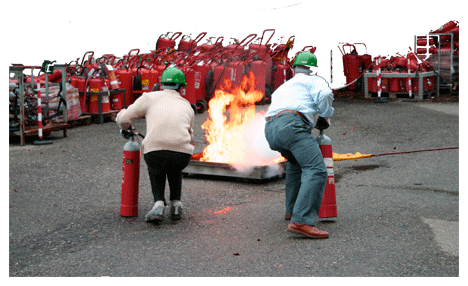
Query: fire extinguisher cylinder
<point x="328" y="205"/>
<point x="130" y="178"/>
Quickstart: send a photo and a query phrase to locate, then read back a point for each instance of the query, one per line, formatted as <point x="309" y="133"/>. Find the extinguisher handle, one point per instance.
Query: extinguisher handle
<point x="200" y="37"/>
<point x="322" y="124"/>
<point x="247" y="40"/>
<point x="176" y="35"/>
<point x="84" y="56"/>
<point x="130" y="133"/>
<point x="269" y="30"/>
<point x="127" y="133"/>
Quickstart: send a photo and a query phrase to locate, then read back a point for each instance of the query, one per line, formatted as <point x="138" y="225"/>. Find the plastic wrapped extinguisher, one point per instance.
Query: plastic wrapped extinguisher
<point x="130" y="174"/>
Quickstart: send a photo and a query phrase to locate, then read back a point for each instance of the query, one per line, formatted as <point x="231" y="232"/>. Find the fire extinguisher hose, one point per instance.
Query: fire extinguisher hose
<point x="342" y="157"/>
<point x="211" y="89"/>
<point x="344" y="86"/>
<point x="87" y="81"/>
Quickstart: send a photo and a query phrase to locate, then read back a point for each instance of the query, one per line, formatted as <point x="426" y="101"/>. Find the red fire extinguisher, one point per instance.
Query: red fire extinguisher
<point x="99" y="85"/>
<point x="259" y="69"/>
<point x="164" y="42"/>
<point x="114" y="84"/>
<point x="186" y="43"/>
<point x="130" y="174"/>
<point x="125" y="82"/>
<point x="447" y="26"/>
<point x="328" y="206"/>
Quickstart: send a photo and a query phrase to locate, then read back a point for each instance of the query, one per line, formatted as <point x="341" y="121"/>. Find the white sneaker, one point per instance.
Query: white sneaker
<point x="156" y="214"/>
<point x="176" y="210"/>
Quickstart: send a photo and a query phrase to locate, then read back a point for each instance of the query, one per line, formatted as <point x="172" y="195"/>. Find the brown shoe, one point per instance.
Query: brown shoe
<point x="287" y="216"/>
<point x="308" y="230"/>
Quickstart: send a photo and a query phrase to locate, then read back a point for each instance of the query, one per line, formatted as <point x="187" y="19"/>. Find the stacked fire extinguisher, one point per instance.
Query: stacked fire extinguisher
<point x="441" y="48"/>
<point x="436" y="52"/>
<point x="400" y="64"/>
<point x="440" y="40"/>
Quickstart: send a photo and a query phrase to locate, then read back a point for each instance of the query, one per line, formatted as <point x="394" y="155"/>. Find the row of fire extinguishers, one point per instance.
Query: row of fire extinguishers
<point x="131" y="173"/>
<point x="98" y="86"/>
<point x="400" y="64"/>
<point x="355" y="65"/>
<point x="206" y="66"/>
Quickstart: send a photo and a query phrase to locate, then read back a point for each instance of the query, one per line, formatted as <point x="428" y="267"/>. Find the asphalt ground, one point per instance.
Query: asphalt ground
<point x="398" y="215"/>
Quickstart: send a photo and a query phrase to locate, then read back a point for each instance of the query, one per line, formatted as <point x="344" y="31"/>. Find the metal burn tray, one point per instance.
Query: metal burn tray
<point x="197" y="167"/>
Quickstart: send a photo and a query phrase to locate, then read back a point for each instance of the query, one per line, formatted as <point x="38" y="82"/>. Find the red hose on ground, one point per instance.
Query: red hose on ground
<point x="414" y="151"/>
<point x="349" y="156"/>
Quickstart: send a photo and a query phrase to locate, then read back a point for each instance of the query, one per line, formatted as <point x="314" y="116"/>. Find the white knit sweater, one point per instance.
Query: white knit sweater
<point x="169" y="121"/>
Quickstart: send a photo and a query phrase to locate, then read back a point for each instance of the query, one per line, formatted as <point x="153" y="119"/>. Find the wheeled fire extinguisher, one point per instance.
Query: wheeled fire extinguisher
<point x="328" y="206"/>
<point x="130" y="174"/>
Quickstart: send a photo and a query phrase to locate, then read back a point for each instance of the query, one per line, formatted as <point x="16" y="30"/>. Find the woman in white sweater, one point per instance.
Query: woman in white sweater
<point x="168" y="143"/>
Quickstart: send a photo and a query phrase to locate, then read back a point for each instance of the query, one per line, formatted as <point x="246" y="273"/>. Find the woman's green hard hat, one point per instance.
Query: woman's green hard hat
<point x="174" y="75"/>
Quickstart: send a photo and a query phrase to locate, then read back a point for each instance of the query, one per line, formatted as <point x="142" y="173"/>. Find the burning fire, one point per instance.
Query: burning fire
<point x="234" y="130"/>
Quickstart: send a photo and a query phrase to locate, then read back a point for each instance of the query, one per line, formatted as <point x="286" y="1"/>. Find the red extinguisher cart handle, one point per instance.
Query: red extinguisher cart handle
<point x="176" y="35"/>
<point x="267" y="30"/>
<point x="347" y="45"/>
<point x="247" y="40"/>
<point x="132" y="50"/>
<point x="200" y="37"/>
<point x="362" y="44"/>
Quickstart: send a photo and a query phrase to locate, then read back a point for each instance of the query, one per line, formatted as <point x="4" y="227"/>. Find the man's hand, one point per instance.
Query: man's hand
<point x="322" y="123"/>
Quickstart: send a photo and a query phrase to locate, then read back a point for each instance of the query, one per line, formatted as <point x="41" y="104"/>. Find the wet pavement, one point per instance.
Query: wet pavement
<point x="398" y="215"/>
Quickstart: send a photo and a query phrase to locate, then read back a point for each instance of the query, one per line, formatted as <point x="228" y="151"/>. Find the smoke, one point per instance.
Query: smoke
<point x="256" y="151"/>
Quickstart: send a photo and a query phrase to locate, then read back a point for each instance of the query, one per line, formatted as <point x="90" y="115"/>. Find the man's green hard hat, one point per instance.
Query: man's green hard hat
<point x="305" y="59"/>
<point x="173" y="75"/>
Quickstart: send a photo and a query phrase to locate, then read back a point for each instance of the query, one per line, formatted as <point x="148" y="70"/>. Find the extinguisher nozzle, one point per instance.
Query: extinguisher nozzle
<point x="127" y="133"/>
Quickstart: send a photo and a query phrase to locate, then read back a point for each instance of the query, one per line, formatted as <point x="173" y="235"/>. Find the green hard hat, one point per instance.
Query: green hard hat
<point x="305" y="59"/>
<point x="173" y="75"/>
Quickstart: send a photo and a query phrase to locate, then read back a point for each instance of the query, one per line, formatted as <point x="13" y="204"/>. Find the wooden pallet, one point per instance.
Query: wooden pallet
<point x="48" y="129"/>
<point x="106" y="116"/>
<point x="80" y="121"/>
<point x="34" y="130"/>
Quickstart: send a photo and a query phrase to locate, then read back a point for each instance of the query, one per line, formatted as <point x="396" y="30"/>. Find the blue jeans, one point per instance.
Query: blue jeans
<point x="306" y="173"/>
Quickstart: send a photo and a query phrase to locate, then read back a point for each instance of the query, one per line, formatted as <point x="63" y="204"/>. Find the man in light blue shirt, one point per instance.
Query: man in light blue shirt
<point x="289" y="122"/>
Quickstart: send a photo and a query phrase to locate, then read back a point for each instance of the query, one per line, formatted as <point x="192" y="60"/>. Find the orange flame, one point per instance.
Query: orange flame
<point x="223" y="211"/>
<point x="230" y="110"/>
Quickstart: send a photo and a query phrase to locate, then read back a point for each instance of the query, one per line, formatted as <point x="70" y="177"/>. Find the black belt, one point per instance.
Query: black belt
<point x="288" y="111"/>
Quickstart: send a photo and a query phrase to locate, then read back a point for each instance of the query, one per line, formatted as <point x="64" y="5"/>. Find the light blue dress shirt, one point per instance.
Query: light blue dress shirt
<point x="308" y="94"/>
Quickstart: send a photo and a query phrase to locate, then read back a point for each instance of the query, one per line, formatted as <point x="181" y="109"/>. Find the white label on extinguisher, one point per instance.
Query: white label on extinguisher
<point x="328" y="162"/>
<point x="197" y="85"/>
<point x="331" y="181"/>
<point x="331" y="173"/>
<point x="233" y="74"/>
<point x="145" y="84"/>
<point x="105" y="99"/>
<point x="198" y="76"/>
